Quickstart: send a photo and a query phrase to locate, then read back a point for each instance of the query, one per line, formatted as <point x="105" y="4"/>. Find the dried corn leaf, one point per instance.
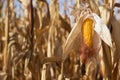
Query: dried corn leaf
<point x="102" y="30"/>
<point x="72" y="42"/>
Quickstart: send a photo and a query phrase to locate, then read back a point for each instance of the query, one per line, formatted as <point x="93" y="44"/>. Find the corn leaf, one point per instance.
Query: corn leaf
<point x="102" y="30"/>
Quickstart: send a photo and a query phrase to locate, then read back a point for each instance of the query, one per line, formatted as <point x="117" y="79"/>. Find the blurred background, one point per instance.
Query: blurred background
<point x="33" y="34"/>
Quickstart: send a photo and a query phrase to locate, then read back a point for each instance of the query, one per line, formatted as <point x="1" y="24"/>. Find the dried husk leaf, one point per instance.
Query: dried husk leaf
<point x="72" y="42"/>
<point x="102" y="30"/>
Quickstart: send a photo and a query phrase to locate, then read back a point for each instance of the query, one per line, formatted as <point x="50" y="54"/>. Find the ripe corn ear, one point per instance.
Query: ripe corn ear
<point x="87" y="32"/>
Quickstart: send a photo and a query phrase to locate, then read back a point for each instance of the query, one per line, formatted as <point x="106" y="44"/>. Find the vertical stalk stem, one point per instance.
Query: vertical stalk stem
<point x="6" y="36"/>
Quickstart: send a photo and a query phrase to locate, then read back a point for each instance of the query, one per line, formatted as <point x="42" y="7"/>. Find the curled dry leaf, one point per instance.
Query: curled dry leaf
<point x="72" y="42"/>
<point x="102" y="30"/>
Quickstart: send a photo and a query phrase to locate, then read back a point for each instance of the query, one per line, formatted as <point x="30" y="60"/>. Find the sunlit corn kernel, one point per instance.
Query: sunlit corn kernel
<point x="87" y="31"/>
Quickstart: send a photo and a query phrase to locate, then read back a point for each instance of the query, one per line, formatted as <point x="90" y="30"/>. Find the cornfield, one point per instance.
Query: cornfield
<point x="59" y="40"/>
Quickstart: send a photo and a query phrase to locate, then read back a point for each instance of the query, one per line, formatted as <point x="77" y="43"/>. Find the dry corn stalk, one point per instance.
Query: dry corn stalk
<point x="6" y="37"/>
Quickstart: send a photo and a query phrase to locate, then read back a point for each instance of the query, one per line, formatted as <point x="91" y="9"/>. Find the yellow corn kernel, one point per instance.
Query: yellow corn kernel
<point x="87" y="31"/>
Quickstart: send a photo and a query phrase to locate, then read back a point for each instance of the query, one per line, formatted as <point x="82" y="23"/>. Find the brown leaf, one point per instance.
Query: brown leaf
<point x="73" y="40"/>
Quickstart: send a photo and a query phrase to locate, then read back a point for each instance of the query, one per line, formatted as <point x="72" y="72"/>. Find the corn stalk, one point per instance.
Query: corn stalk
<point x="6" y="36"/>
